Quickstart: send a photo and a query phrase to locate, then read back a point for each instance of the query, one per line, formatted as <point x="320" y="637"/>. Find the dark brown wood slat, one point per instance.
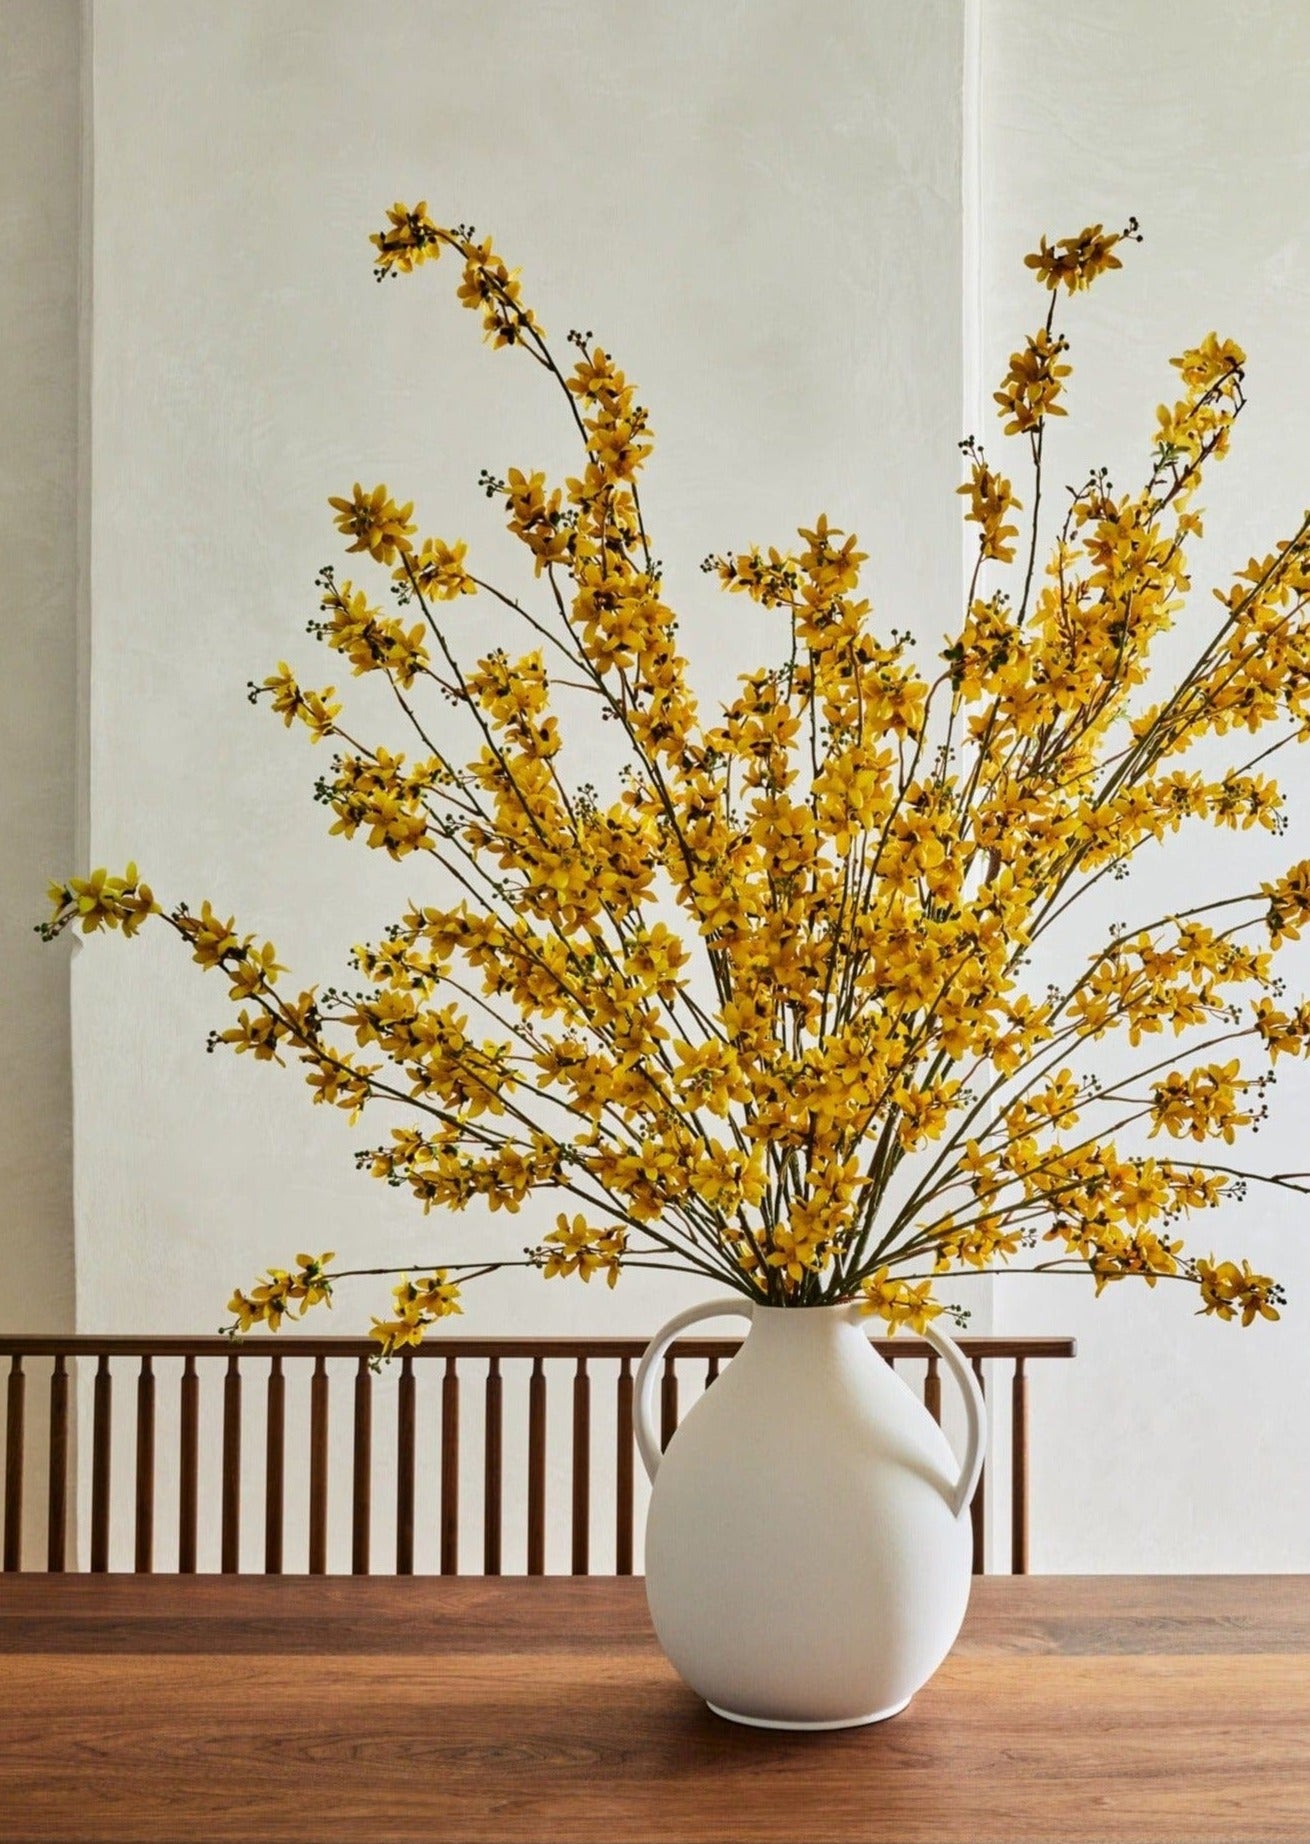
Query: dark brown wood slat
<point x="361" y="1502"/>
<point x="711" y="1371"/>
<point x="275" y="1448"/>
<point x="188" y="1481"/>
<point x="15" y="1427"/>
<point x="1019" y="1470"/>
<point x="492" y="1467"/>
<point x="144" y="1550"/>
<point x="932" y="1389"/>
<point x="406" y="1429"/>
<point x="581" y="1469"/>
<point x="230" y="1534"/>
<point x="668" y="1402"/>
<point x="57" y="1496"/>
<point x="537" y="1469"/>
<point x="102" y="1435"/>
<point x="320" y="1384"/>
<point x="450" y="1469"/>
<point x="978" y="1509"/>
<point x="625" y="1442"/>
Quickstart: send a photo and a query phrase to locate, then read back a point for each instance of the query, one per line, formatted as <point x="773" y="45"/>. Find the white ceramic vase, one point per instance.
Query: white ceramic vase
<point x="808" y="1549"/>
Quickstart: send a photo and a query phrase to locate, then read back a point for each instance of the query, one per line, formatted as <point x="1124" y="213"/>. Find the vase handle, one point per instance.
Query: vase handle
<point x="975" y="1408"/>
<point x="643" y="1396"/>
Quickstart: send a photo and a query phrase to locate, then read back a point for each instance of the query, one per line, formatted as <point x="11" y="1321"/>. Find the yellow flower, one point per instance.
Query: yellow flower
<point x="488" y="287"/>
<point x="1200" y="1102"/>
<point x="798" y="1249"/>
<point x="1227" y="1290"/>
<point x="409" y="239"/>
<point x="924" y="1112"/>
<point x="977" y="1245"/>
<point x="314" y="709"/>
<point x="431" y="1296"/>
<point x="991" y="501"/>
<point x="260" y="1034"/>
<point x="393" y="1335"/>
<point x="100" y="901"/>
<point x="1031" y="389"/>
<point x="1203" y="366"/>
<point x="279" y="1292"/>
<point x="375" y="522"/>
<point x="257" y="969"/>
<point x="1281" y="1033"/>
<point x="1075" y="262"/>
<point x="898" y="1302"/>
<point x="1289" y="903"/>
<point x="418" y="1304"/>
<point x="213" y="941"/>
<point x="1143" y="1253"/>
<point x="437" y="571"/>
<point x="578" y="1247"/>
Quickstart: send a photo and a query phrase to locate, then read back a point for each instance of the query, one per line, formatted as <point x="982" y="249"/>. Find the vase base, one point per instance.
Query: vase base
<point x="842" y="1722"/>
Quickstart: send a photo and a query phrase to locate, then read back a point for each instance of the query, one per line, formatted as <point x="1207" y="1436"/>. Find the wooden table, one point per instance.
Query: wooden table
<point x="206" y="1708"/>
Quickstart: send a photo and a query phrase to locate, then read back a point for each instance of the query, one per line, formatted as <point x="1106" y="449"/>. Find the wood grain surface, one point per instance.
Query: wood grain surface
<point x="464" y="1709"/>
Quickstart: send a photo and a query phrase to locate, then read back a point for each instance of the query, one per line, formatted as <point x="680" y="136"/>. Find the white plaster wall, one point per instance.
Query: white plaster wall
<point x="1173" y="1443"/>
<point x="756" y="206"/>
<point x="40" y="157"/>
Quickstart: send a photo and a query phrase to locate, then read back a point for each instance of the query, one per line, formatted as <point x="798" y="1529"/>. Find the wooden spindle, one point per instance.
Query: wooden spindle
<point x="450" y="1469"/>
<point x="230" y="1534"/>
<point x="537" y="1469"/>
<point x="15" y="1420"/>
<point x="275" y="1448"/>
<point x="493" y="1444"/>
<point x="361" y="1510"/>
<point x="144" y="1561"/>
<point x="668" y="1402"/>
<point x="1019" y="1470"/>
<point x="581" y="1469"/>
<point x="624" y="1443"/>
<point x="711" y="1371"/>
<point x="318" y="1466"/>
<point x="978" y="1509"/>
<point x="188" y="1480"/>
<point x="102" y="1434"/>
<point x="57" y="1500"/>
<point x="406" y="1427"/>
<point x="932" y="1389"/>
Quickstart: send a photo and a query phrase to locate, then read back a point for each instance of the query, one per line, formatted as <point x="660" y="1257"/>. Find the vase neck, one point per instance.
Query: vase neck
<point x="807" y="1328"/>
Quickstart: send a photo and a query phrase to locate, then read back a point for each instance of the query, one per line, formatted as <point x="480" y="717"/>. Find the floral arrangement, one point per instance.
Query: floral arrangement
<point x="759" y="1011"/>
